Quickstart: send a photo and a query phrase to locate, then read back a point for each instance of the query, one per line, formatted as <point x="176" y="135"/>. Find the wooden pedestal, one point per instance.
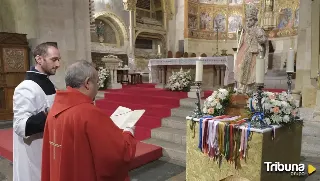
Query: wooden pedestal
<point x="238" y="104"/>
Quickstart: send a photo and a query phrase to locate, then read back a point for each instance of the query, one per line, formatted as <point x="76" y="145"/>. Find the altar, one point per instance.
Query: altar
<point x="261" y="148"/>
<point x="217" y="71"/>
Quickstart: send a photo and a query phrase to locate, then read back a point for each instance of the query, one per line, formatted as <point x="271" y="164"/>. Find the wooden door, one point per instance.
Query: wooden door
<point x="14" y="62"/>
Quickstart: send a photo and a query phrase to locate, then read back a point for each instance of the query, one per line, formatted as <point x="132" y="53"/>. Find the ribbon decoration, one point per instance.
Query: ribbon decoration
<point x="251" y="105"/>
<point x="258" y="116"/>
<point x="200" y="130"/>
<point x="200" y="134"/>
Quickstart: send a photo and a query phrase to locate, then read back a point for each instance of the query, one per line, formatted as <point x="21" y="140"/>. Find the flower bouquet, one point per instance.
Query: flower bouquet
<point x="278" y="108"/>
<point x="180" y="81"/>
<point x="217" y="103"/>
<point x="103" y="75"/>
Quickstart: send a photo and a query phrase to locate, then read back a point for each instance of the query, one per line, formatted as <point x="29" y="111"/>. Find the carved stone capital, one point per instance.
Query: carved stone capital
<point x="129" y="5"/>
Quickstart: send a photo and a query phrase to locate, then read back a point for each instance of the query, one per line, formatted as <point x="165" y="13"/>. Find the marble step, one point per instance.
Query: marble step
<point x="182" y="112"/>
<point x="172" y="152"/>
<point x="310" y="146"/>
<point x="5" y="124"/>
<point x="6" y="170"/>
<point x="176" y="136"/>
<point x="189" y="103"/>
<point x="174" y="122"/>
<point x="314" y="161"/>
<point x="276" y="73"/>
<point x="306" y="114"/>
<point x="311" y="129"/>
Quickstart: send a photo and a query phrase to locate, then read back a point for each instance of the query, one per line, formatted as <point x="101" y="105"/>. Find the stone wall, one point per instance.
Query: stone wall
<point x="64" y="22"/>
<point x="303" y="76"/>
<point x="115" y="6"/>
<point x="176" y="27"/>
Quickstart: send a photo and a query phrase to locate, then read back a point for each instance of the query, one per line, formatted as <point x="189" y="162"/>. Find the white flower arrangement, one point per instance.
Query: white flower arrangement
<point x="103" y="75"/>
<point x="180" y="81"/>
<point x="278" y="108"/>
<point x="216" y="104"/>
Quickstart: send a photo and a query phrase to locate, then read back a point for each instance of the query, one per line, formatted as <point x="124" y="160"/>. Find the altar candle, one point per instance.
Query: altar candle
<point x="159" y="49"/>
<point x="260" y="70"/>
<point x="199" y="70"/>
<point x="290" y="61"/>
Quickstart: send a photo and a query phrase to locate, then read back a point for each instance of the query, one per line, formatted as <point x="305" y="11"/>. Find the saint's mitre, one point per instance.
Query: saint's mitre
<point x="252" y="11"/>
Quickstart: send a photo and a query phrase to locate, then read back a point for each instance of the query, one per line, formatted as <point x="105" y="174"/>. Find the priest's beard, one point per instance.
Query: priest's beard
<point x="48" y="69"/>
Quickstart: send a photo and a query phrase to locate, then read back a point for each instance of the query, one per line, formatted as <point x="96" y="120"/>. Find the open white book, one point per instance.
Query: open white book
<point x="124" y="117"/>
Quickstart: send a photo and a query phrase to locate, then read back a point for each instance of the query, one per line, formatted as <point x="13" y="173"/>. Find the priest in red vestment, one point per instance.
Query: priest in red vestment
<point x="81" y="143"/>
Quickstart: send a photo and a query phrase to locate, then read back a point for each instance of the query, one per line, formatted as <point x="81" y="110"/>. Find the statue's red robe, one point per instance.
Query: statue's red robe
<point x="82" y="143"/>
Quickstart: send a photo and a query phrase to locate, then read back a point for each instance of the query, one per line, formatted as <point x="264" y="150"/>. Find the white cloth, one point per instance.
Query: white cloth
<point x="223" y="60"/>
<point x="28" y="99"/>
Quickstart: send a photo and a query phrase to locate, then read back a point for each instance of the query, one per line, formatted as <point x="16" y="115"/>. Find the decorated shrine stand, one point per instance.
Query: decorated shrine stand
<point x="281" y="144"/>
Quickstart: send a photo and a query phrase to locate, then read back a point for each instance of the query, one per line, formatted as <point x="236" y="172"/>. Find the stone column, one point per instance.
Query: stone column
<point x="115" y="79"/>
<point x="223" y="70"/>
<point x="163" y="75"/>
<point x="130" y="5"/>
<point x="159" y="78"/>
<point x="111" y="75"/>
<point x="218" y="75"/>
<point x="112" y="65"/>
<point x="303" y="82"/>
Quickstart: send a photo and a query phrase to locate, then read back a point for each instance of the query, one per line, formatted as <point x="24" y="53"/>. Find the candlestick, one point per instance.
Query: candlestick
<point x="259" y="97"/>
<point x="199" y="70"/>
<point x="197" y="113"/>
<point x="290" y="61"/>
<point x="260" y="70"/>
<point x="289" y="82"/>
<point x="159" y="49"/>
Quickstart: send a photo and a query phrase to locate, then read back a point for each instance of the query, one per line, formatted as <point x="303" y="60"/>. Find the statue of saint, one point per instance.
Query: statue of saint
<point x="252" y="40"/>
<point x="100" y="29"/>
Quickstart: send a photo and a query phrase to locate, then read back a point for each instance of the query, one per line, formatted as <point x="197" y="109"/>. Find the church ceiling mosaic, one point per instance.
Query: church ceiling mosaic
<point x="212" y="19"/>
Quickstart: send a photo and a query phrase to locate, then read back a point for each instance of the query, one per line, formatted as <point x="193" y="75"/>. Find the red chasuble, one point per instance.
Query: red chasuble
<point x="81" y="143"/>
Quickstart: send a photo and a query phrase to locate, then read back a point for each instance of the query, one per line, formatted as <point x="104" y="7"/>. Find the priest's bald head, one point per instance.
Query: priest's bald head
<point x="83" y="76"/>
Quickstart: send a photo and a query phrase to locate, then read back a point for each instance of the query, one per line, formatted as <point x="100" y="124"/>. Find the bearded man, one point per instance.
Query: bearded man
<point x="252" y="41"/>
<point x="32" y="100"/>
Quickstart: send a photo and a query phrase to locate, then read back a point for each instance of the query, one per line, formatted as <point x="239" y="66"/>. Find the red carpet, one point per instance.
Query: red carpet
<point x="144" y="154"/>
<point x="157" y="103"/>
<point x="6" y="144"/>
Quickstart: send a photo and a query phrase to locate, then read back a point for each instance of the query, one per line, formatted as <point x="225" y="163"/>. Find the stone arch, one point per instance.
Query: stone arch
<point x="155" y="35"/>
<point x="115" y="34"/>
<point x="116" y="21"/>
